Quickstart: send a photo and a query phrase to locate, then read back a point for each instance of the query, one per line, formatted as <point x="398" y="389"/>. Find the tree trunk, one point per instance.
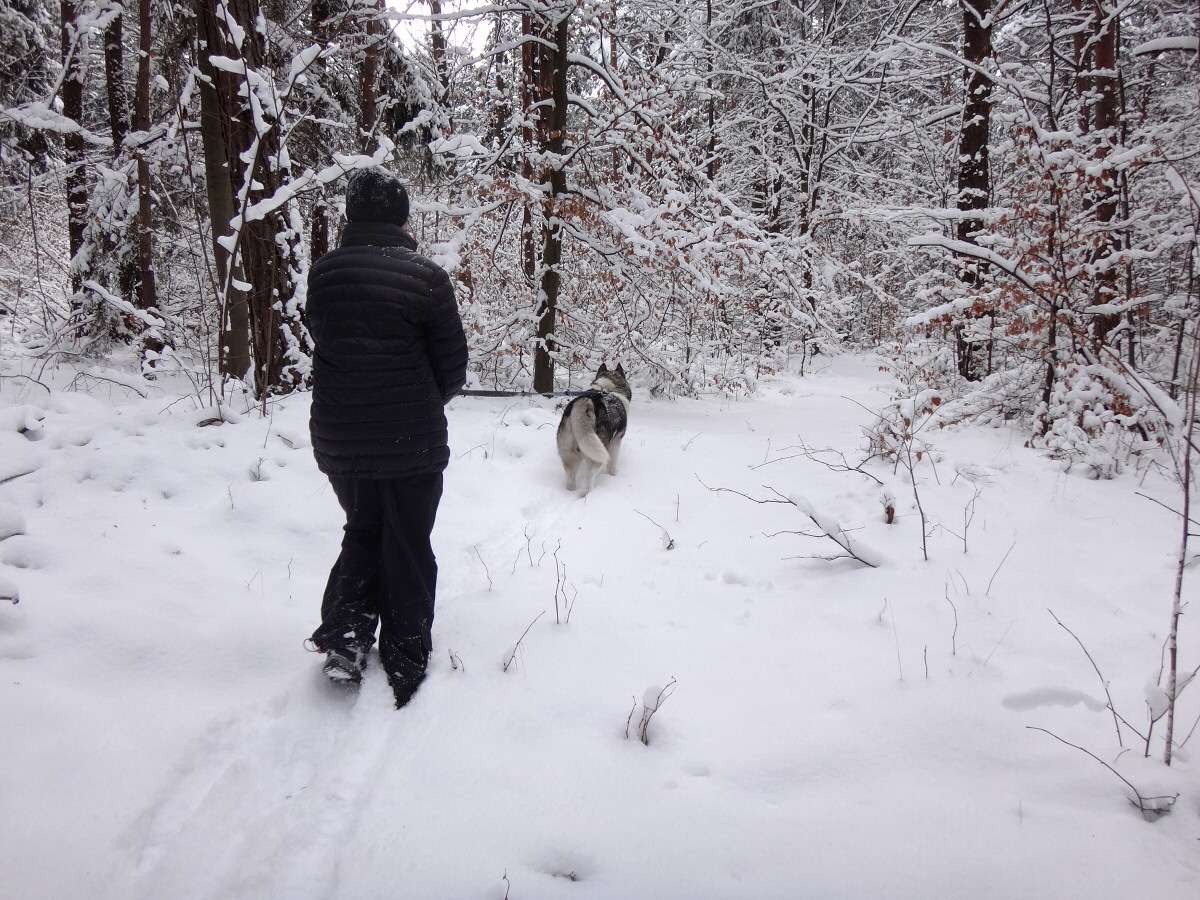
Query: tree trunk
<point x="437" y="45"/>
<point x="147" y="294"/>
<point x="1105" y="119"/>
<point x="974" y="184"/>
<point x="235" y="312"/>
<point x="323" y="12"/>
<point x="114" y="77"/>
<point x="262" y="243"/>
<point x="530" y="57"/>
<point x="552" y="124"/>
<point x="72" y="108"/>
<point x="119" y="124"/>
<point x="369" y="78"/>
<point x="710" y="164"/>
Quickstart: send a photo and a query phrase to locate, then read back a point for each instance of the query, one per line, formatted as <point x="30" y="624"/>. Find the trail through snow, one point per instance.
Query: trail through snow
<point x="833" y="730"/>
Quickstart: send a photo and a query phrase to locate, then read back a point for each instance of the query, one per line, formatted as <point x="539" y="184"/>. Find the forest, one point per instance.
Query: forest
<point x="907" y="294"/>
<point x="1000" y="195"/>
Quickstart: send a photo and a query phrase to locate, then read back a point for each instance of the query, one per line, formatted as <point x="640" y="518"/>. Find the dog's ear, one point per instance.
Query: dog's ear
<point x="603" y="370"/>
<point x="620" y="371"/>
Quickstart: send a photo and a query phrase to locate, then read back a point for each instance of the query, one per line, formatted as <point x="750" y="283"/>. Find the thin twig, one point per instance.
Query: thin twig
<point x="811" y="454"/>
<point x="988" y="592"/>
<point x="1099" y="674"/>
<point x="517" y="645"/>
<point x="723" y="490"/>
<point x="1164" y="506"/>
<point x="896" y="637"/>
<point x="669" y="542"/>
<point x="953" y="634"/>
<point x="1150" y="812"/>
<point x="485" y="568"/>
<point x="912" y="475"/>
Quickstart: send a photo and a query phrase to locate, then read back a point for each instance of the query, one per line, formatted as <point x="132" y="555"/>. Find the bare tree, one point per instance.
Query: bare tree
<point x="547" y="74"/>
<point x="974" y="176"/>
<point x="147" y="294"/>
<point x="233" y="307"/>
<point x="114" y="78"/>
<point x="71" y="93"/>
<point x="263" y="242"/>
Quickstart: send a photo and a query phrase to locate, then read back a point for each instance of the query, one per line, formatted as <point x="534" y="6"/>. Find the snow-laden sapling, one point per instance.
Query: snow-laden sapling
<point x="1159" y="706"/>
<point x="1179" y="414"/>
<point x="652" y="700"/>
<point x="896" y="435"/>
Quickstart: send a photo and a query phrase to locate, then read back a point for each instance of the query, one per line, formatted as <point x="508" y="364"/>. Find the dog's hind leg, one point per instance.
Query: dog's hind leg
<point x="614" y="452"/>
<point x="571" y="467"/>
<point x="593" y="455"/>
<point x="590" y="470"/>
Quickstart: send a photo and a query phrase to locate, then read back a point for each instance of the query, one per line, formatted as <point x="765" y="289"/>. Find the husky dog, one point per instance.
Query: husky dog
<point x="589" y="435"/>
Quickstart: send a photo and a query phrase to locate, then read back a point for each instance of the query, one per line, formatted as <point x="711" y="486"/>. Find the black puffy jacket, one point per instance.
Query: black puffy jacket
<point x="390" y="353"/>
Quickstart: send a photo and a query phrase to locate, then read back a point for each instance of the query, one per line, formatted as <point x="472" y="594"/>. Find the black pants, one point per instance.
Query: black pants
<point x="385" y="576"/>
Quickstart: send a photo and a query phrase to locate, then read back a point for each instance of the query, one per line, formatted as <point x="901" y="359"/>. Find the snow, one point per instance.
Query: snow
<point x="39" y="116"/>
<point x="458" y="145"/>
<point x="820" y="728"/>
<point x="1159" y="45"/>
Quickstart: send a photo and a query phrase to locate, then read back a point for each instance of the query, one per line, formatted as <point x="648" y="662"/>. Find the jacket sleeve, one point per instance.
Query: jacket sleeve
<point x="446" y="340"/>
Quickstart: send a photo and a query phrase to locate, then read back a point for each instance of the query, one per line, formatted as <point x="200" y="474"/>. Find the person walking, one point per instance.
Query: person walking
<point x="389" y="353"/>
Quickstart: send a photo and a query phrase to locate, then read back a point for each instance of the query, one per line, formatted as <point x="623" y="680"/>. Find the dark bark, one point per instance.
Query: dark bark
<point x="369" y="78"/>
<point x="530" y="59"/>
<point x="552" y="124"/>
<point x="72" y="107"/>
<point x="323" y="12"/>
<point x="235" y="315"/>
<point x="114" y="77"/>
<point x="710" y="165"/>
<point x="1105" y="118"/>
<point x="253" y="177"/>
<point x="318" y="243"/>
<point x="974" y="177"/>
<point x="437" y="45"/>
<point x="146" y="293"/>
<point x="119" y="125"/>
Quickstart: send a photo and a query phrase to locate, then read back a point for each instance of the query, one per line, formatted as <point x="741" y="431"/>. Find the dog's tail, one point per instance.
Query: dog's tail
<point x="583" y="426"/>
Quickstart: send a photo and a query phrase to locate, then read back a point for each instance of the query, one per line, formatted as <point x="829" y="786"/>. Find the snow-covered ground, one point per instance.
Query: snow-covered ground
<point x="827" y="730"/>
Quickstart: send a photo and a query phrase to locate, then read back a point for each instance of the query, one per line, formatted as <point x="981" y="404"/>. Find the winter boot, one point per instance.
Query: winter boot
<point x="344" y="667"/>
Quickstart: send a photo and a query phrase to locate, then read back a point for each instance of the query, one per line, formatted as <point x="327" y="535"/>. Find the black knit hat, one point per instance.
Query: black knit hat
<point x="374" y="195"/>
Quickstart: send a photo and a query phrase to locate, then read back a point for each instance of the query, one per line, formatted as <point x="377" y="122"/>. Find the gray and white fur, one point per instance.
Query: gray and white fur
<point x="592" y="426"/>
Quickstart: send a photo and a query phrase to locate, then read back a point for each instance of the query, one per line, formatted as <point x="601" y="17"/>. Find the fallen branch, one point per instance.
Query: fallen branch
<point x="1152" y="808"/>
<point x="832" y="530"/>
<point x="829" y="528"/>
